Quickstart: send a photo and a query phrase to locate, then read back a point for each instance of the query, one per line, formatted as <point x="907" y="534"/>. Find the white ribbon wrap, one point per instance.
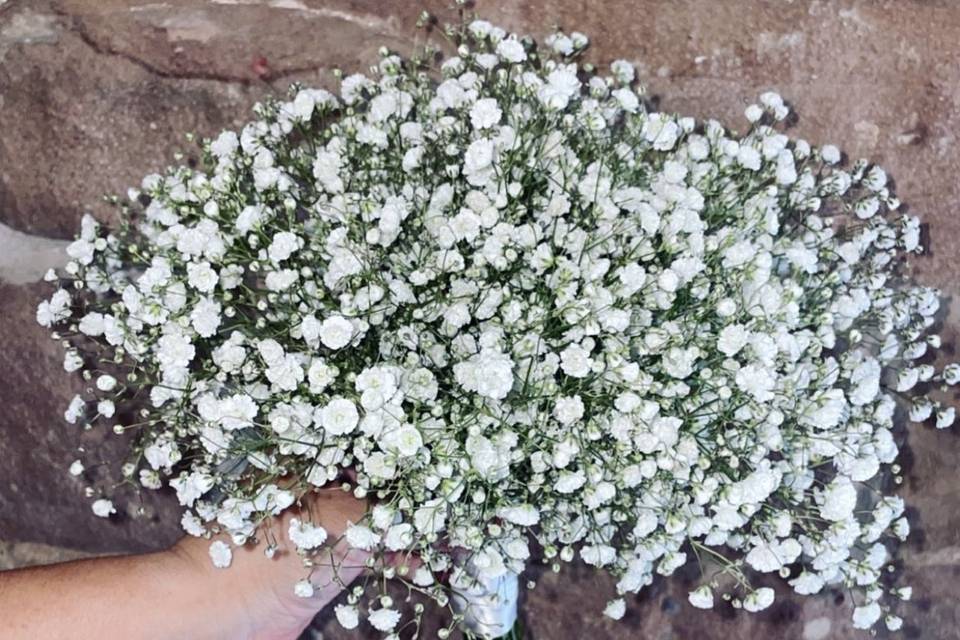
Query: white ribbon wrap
<point x="488" y="606"/>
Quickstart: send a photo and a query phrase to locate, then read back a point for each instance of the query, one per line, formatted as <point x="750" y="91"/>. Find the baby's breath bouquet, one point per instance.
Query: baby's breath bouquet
<point x="523" y="314"/>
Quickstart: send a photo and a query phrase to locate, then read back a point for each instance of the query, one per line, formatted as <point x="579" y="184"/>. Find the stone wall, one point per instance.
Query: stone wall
<point x="96" y="93"/>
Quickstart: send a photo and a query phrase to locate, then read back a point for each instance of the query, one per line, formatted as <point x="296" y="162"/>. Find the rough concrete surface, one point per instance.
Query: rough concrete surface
<point x="96" y="93"/>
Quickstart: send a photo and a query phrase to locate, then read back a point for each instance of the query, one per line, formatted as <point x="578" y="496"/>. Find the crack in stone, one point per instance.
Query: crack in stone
<point x="76" y="26"/>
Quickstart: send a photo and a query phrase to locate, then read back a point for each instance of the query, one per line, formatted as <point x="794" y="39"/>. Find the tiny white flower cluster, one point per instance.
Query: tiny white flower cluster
<point x="516" y="304"/>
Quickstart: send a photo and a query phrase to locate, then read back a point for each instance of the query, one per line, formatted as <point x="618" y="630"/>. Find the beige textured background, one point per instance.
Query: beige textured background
<point x="96" y="93"/>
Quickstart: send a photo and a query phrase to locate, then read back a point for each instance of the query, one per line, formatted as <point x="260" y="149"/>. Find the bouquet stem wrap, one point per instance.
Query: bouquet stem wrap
<point x="488" y="606"/>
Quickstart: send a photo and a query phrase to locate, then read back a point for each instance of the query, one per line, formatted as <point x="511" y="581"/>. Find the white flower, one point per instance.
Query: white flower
<point x="771" y="100"/>
<point x="628" y="99"/>
<point x="946" y="417"/>
<point x="271" y="351"/>
<point x="560" y="43"/>
<point x="575" y="361"/>
<point x="189" y="486"/>
<point x="319" y="375"/>
<point x="103" y="508"/>
<point x="249" y="217"/>
<point x="839" y="500"/>
<point x="205" y="317"/>
<point x="72" y="361"/>
<point x="54" y="310"/>
<point x="623" y="71"/>
<point x="598" y="495"/>
<point x="480" y="28"/>
<point x="678" y="363"/>
<point x="866" y="616"/>
<point x="202" y="277"/>
<point x="339" y="416"/>
<point x="384" y="619"/>
<point x="525" y="515"/>
<point x="225" y="144"/>
<point x="866" y="381"/>
<point x="431" y="517"/>
<point x="757" y="381"/>
<point x="830" y="154"/>
<point x="383" y="106"/>
<point x="347" y="616"/>
<point x="106" y="408"/>
<point x="237" y="411"/>
<point x="511" y="50"/>
<point x="488" y="373"/>
<point x="807" y="583"/>
<point x="379" y="465"/>
<point x="567" y="411"/>
<point x="220" y="554"/>
<point x="701" y="597"/>
<point x="568" y="482"/>
<point x="907" y="379"/>
<point x="758" y="600"/>
<point x="175" y="351"/>
<point x="451" y="94"/>
<point x="753" y="112"/>
<point x="598" y="555"/>
<point x="749" y="158"/>
<point x="336" y="332"/>
<point x="306" y="535"/>
<point x="75" y="411"/>
<point x="485" y="113"/>
<point x="866" y="208"/>
<point x="668" y="280"/>
<point x="399" y="537"/>
<point x="106" y="382"/>
<point x="283" y="245"/>
<point x="876" y="178"/>
<point x="484" y="457"/>
<point x="361" y="537"/>
<point x="765" y="558"/>
<point x="615" y="609"/>
<point x="920" y="410"/>
<point x="661" y="131"/>
<point x="286" y="372"/>
<point x="76" y="468"/>
<point x="281" y="280"/>
<point x="230" y="356"/>
<point x="422" y="577"/>
<point x="412" y="158"/>
<point x="92" y="324"/>
<point x="562" y="84"/>
<point x="162" y="453"/>
<point x="786" y="168"/>
<point x="352" y="87"/>
<point x="404" y="441"/>
<point x="732" y="338"/>
<point x="326" y="169"/>
<point x="477" y="160"/>
<point x="303" y="589"/>
<point x="191" y="524"/>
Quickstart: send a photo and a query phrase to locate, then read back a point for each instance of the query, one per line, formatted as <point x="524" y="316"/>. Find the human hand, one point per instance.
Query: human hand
<point x="262" y="588"/>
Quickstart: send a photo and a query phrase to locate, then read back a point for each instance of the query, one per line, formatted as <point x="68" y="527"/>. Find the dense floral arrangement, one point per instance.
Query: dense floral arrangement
<point x="519" y="306"/>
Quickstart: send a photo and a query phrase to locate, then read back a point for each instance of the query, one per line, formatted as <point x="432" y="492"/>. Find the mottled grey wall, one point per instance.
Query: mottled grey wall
<point x="96" y="93"/>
